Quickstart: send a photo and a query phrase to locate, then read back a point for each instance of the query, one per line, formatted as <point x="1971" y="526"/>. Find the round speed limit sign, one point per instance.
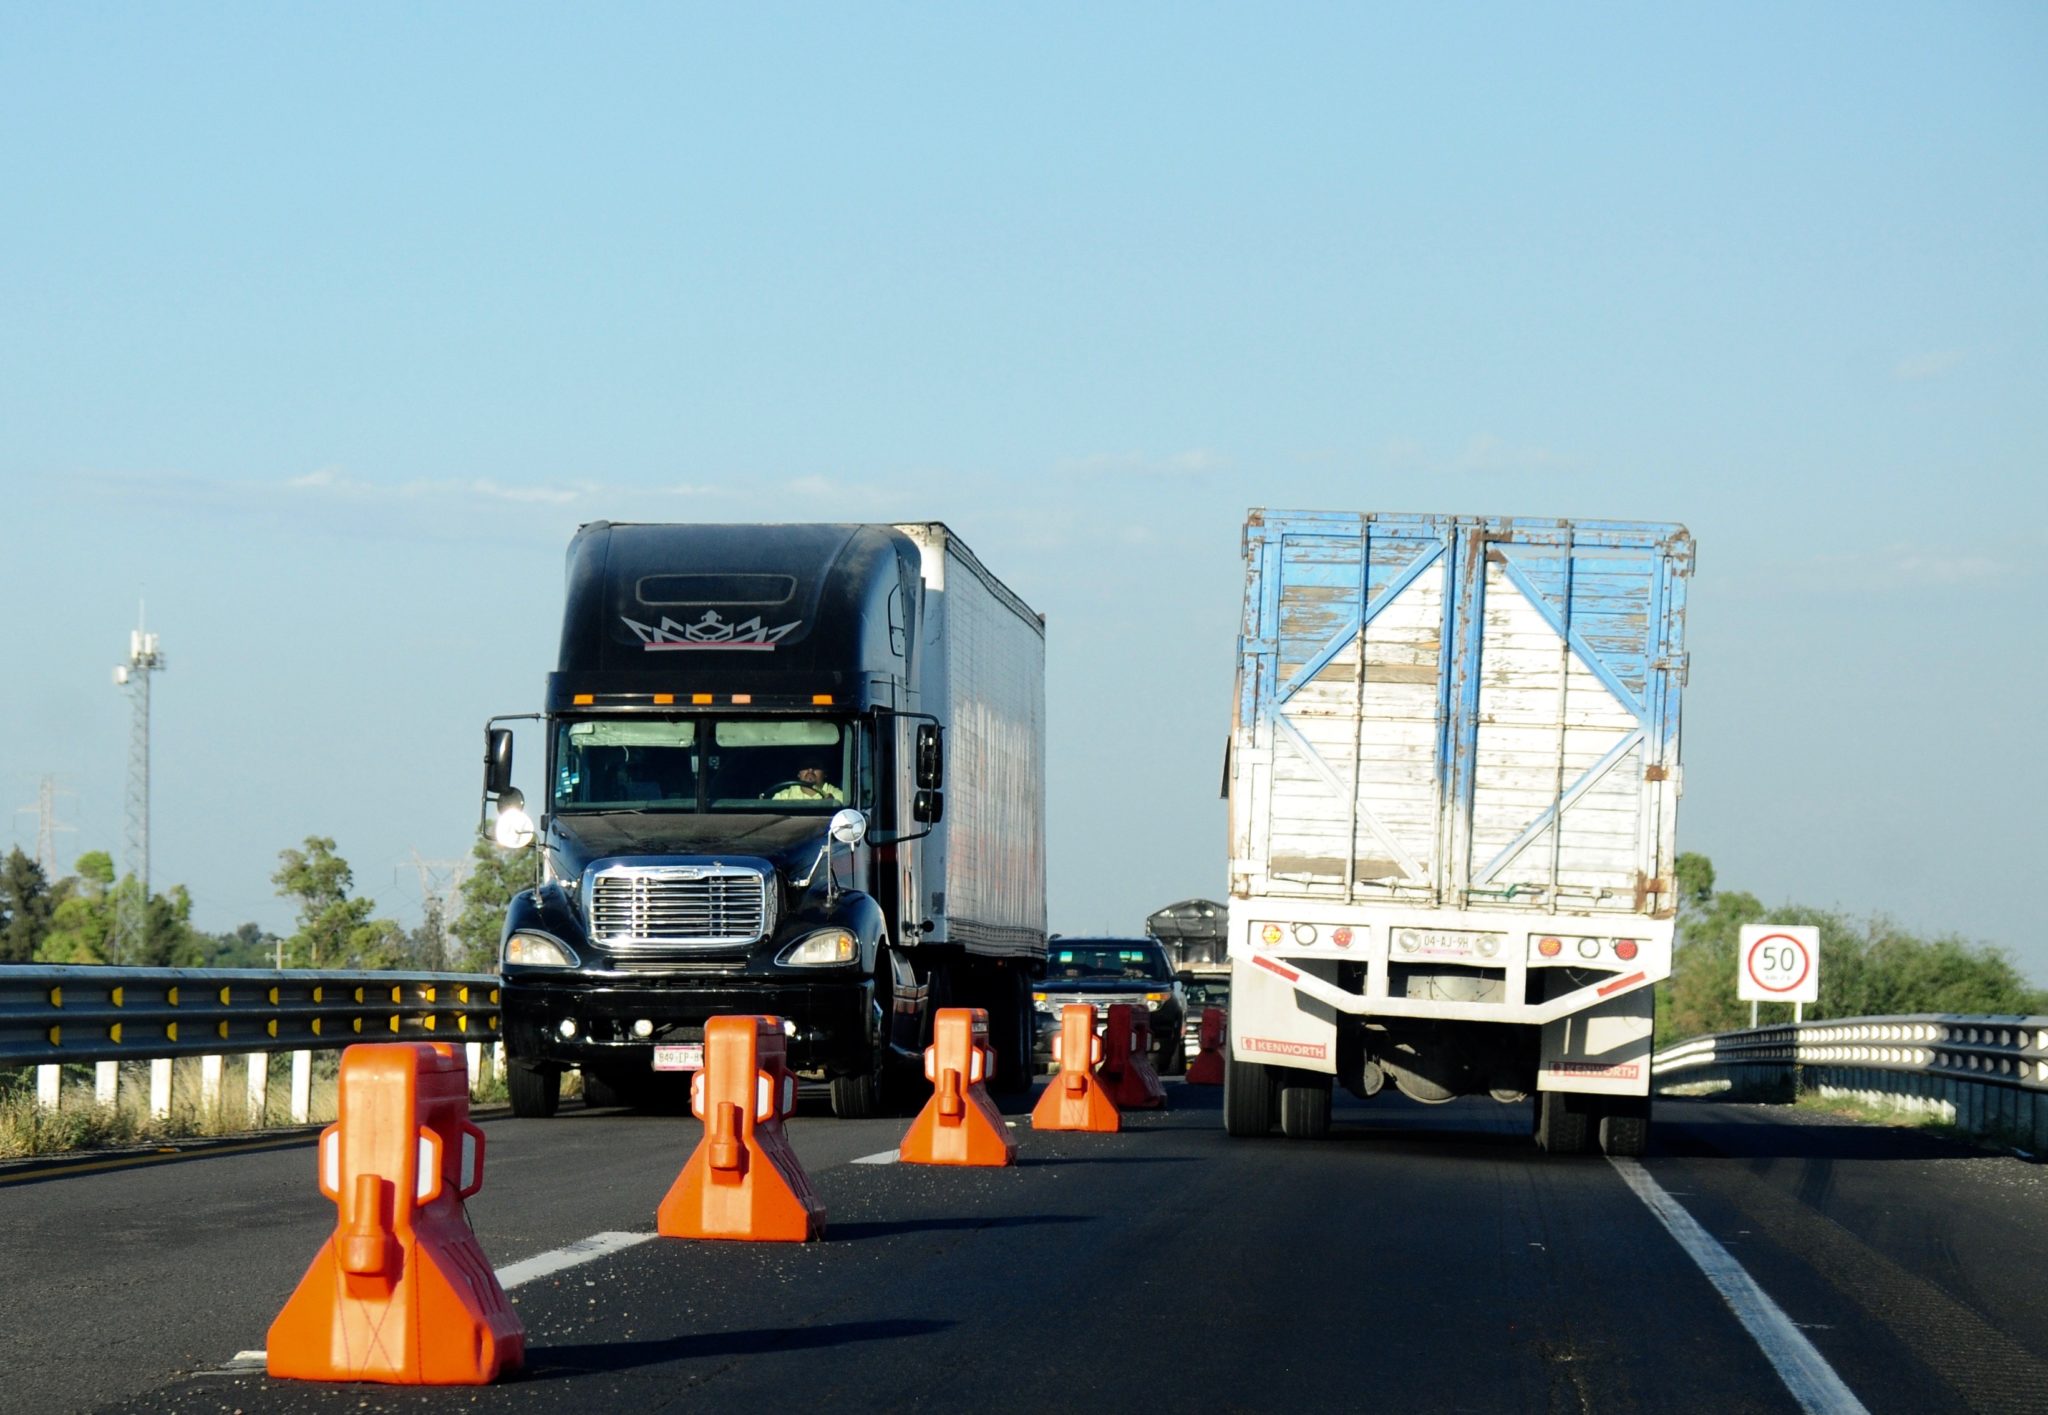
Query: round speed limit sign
<point x="1779" y="963"/>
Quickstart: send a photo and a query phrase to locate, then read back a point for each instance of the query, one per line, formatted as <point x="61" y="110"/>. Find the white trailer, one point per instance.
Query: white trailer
<point x="1453" y="787"/>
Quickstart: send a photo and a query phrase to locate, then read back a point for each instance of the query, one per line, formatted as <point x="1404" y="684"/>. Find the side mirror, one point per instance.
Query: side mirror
<point x="931" y="758"/>
<point x="928" y="807"/>
<point x="849" y="827"/>
<point x="497" y="761"/>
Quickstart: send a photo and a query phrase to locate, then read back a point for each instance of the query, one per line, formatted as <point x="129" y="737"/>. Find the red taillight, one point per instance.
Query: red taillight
<point x="1550" y="947"/>
<point x="1624" y="949"/>
<point x="1341" y="937"/>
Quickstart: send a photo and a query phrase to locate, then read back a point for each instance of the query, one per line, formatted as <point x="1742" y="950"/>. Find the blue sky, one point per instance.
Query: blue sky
<point x="323" y="328"/>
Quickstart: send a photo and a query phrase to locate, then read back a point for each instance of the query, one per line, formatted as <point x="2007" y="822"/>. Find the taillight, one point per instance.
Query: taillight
<point x="1625" y="949"/>
<point x="1270" y="935"/>
<point x="1550" y="947"/>
<point x="1341" y="936"/>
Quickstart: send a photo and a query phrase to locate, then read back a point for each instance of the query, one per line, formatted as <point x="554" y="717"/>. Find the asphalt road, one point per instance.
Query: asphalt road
<point x="1422" y="1259"/>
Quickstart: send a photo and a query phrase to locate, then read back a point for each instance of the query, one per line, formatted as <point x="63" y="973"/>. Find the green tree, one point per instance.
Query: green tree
<point x="495" y="876"/>
<point x="1869" y="969"/>
<point x="27" y="900"/>
<point x="82" y="922"/>
<point x="335" y="930"/>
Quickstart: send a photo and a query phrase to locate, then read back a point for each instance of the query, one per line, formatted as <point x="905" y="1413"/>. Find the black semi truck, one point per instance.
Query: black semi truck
<point x="789" y="769"/>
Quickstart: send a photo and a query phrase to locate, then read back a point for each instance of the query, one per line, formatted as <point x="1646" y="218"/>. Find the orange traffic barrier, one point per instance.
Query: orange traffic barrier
<point x="743" y="1180"/>
<point x="1075" y="1099"/>
<point x="1126" y="1068"/>
<point x="959" y="1124"/>
<point x="401" y="1292"/>
<point x="1207" y="1067"/>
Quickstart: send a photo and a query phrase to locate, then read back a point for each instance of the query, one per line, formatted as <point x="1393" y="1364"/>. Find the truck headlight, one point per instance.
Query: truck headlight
<point x="539" y="951"/>
<point x="821" y="949"/>
<point x="1154" y="1000"/>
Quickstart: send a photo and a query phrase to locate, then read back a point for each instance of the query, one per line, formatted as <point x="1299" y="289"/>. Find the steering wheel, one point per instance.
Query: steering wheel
<point x="769" y="793"/>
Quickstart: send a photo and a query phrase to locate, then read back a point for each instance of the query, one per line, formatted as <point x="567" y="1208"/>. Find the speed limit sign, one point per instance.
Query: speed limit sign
<point x="1778" y="963"/>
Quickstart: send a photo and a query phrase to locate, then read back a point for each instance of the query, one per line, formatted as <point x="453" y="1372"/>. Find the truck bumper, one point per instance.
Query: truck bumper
<point x="832" y="1020"/>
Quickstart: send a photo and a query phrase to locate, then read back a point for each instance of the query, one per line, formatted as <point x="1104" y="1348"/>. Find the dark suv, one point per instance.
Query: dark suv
<point x="1108" y="970"/>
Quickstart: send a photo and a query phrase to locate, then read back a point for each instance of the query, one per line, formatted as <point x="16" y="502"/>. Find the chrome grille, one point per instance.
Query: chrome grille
<point x="668" y="906"/>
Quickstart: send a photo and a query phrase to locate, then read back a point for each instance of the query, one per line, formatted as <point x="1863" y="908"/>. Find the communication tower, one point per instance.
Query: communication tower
<point x="131" y="920"/>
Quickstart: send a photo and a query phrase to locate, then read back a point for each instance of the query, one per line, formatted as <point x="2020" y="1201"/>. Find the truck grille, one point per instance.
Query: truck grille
<point x="653" y="909"/>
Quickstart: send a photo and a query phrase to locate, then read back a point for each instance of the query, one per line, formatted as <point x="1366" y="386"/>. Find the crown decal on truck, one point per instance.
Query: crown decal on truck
<point x="710" y="632"/>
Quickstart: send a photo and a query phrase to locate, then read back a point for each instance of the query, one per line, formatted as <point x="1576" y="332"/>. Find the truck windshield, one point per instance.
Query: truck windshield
<point x="1111" y="958"/>
<point x="757" y="764"/>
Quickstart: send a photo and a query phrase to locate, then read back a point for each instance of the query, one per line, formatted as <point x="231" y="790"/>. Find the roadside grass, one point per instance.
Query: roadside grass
<point x="1872" y="1113"/>
<point x="81" y="1122"/>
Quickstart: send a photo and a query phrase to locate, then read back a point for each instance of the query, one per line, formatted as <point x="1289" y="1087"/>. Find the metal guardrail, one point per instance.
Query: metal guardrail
<point x="1988" y="1076"/>
<point x="2009" y="1051"/>
<point x="73" y="1014"/>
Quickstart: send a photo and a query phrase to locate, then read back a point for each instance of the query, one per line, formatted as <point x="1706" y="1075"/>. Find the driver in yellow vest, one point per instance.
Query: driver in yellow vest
<point x="811" y="785"/>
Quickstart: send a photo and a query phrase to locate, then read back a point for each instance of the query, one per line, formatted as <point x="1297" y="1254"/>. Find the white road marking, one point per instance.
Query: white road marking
<point x="1806" y="1374"/>
<point x="583" y="1250"/>
<point x="884" y="1157"/>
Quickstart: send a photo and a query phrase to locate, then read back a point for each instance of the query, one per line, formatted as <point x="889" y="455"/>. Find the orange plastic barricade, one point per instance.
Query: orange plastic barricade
<point x="1126" y="1069"/>
<point x="743" y="1180"/>
<point x="401" y="1292"/>
<point x="1074" y="1099"/>
<point x="959" y="1124"/>
<point x="1207" y="1067"/>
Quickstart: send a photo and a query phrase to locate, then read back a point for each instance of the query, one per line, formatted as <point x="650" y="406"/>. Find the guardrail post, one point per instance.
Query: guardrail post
<point x="302" y="1087"/>
<point x="160" y="1088"/>
<point x="474" y="1051"/>
<point x="106" y="1083"/>
<point x="49" y="1086"/>
<point x="210" y="1068"/>
<point x="258" y="1095"/>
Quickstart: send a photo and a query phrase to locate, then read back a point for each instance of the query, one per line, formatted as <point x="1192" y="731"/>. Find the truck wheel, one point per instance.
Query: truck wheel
<point x="1561" y="1127"/>
<point x="857" y="1097"/>
<point x="536" y="1091"/>
<point x="1305" y="1108"/>
<point x="1248" y="1096"/>
<point x="1625" y="1129"/>
<point x="1013" y="1029"/>
<point x="1173" y="1056"/>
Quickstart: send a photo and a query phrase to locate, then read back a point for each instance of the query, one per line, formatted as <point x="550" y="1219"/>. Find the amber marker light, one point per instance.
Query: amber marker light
<point x="701" y="699"/>
<point x="1270" y="934"/>
<point x="1550" y="947"/>
<point x="582" y="700"/>
<point x="742" y="699"/>
<point x="664" y="699"/>
<point x="821" y="700"/>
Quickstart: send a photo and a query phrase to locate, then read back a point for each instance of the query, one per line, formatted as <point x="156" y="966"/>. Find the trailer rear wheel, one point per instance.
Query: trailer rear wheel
<point x="1013" y="1028"/>
<point x="536" y="1091"/>
<point x="1305" y="1106"/>
<point x="1625" y="1128"/>
<point x="1561" y="1122"/>
<point x="1249" y="1093"/>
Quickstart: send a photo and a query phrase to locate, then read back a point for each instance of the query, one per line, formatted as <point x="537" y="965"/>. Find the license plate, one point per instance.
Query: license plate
<point x="1446" y="943"/>
<point x="679" y="1056"/>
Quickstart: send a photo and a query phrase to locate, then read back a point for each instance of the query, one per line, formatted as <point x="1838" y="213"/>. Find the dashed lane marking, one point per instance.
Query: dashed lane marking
<point x="881" y="1157"/>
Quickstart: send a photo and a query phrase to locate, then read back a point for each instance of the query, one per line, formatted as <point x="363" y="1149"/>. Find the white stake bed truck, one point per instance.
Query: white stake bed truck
<point x="1453" y="783"/>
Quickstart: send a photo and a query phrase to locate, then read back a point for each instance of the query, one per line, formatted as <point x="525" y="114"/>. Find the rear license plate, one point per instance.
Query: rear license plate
<point x="679" y="1056"/>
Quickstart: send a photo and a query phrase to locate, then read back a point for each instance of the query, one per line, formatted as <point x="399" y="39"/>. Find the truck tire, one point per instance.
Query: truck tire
<point x="1625" y="1129"/>
<point x="536" y="1091"/>
<point x="1013" y="1030"/>
<point x="1561" y="1123"/>
<point x="1173" y="1056"/>
<point x="857" y="1097"/>
<point x="1248" y="1097"/>
<point x="1305" y="1107"/>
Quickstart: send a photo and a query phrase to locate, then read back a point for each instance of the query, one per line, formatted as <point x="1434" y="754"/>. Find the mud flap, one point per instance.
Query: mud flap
<point x="1272" y="1023"/>
<point x="1604" y="1050"/>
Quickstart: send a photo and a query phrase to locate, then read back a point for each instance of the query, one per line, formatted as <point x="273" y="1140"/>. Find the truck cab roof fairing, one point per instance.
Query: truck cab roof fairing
<point x="746" y="607"/>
